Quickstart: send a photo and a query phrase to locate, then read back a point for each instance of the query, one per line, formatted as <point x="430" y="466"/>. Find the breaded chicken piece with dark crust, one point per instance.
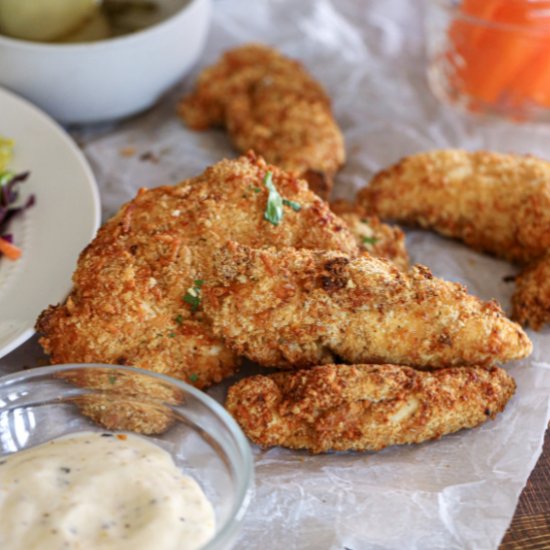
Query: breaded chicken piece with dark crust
<point x="493" y="202"/>
<point x="531" y="299"/>
<point x="298" y="308"/>
<point x="136" y="290"/>
<point x="365" y="407"/>
<point x="270" y="104"/>
<point x="373" y="237"/>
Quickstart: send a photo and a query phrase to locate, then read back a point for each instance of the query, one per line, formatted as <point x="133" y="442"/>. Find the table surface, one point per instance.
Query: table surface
<point x="530" y="528"/>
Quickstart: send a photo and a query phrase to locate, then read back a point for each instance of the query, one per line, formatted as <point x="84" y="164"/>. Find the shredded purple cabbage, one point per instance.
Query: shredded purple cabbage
<point x="9" y="193"/>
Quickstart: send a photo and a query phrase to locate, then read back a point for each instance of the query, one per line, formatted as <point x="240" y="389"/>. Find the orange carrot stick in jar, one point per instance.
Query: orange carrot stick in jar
<point x="533" y="84"/>
<point x="503" y="39"/>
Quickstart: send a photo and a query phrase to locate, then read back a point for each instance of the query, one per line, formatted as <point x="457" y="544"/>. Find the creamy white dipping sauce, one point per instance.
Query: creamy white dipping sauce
<point x="96" y="491"/>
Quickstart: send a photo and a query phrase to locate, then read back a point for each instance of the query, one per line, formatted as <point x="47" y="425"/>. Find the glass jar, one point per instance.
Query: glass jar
<point x="491" y="56"/>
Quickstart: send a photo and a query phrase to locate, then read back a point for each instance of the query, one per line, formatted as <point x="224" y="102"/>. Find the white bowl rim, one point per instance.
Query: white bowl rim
<point x="125" y="39"/>
<point x="245" y="489"/>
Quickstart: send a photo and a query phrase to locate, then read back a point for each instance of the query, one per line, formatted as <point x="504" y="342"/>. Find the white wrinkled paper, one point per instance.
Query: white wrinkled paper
<point x="459" y="492"/>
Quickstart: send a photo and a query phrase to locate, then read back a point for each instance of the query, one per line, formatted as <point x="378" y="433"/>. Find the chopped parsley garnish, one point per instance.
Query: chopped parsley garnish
<point x="254" y="188"/>
<point x="194" y="377"/>
<point x="274" y="208"/>
<point x="171" y="335"/>
<point x="179" y="319"/>
<point x="293" y="204"/>
<point x="193" y="295"/>
<point x="369" y="240"/>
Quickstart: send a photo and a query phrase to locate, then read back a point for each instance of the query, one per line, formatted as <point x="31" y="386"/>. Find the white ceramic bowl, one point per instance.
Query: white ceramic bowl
<point x="108" y="79"/>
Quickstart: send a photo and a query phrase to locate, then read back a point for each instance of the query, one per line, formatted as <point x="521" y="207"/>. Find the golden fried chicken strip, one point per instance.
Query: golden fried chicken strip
<point x="270" y="104"/>
<point x="136" y="294"/>
<point x="297" y="308"/>
<point x="374" y="237"/>
<point x="531" y="299"/>
<point x="365" y="407"/>
<point x="493" y="202"/>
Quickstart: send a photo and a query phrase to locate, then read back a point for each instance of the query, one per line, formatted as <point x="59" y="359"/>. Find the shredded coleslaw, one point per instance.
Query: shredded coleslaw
<point x="9" y="195"/>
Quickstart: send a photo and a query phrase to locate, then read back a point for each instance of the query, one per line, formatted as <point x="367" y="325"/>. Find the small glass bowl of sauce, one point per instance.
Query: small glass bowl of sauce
<point x="181" y="438"/>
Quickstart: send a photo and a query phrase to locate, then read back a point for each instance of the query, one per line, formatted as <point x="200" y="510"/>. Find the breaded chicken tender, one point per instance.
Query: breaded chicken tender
<point x="374" y="237"/>
<point x="531" y="299"/>
<point x="123" y="400"/>
<point x="270" y="104"/>
<point x="136" y="290"/>
<point x="493" y="202"/>
<point x="365" y="407"/>
<point x="298" y="308"/>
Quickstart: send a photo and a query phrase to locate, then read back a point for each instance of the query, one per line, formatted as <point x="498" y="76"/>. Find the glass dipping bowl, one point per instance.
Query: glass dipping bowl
<point x="205" y="442"/>
<point x="491" y="56"/>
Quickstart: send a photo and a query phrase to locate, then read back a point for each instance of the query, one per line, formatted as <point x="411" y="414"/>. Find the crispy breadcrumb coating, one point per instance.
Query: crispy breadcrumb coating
<point x="365" y="407"/>
<point x="123" y="400"/>
<point x="531" y="300"/>
<point x="295" y="308"/>
<point x="270" y="104"/>
<point x="493" y="202"/>
<point x="373" y="236"/>
<point x="136" y="299"/>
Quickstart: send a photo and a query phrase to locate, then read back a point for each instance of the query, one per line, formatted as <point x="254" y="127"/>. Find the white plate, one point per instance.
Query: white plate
<point x="52" y="233"/>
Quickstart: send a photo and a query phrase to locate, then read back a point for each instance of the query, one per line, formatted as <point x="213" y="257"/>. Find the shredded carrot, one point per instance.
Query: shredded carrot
<point x="9" y="250"/>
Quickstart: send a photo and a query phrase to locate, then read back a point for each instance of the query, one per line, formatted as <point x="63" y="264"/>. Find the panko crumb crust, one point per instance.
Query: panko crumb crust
<point x="531" y="299"/>
<point x="494" y="202"/>
<point x="272" y="105"/>
<point x="365" y="407"/>
<point x="128" y="305"/>
<point x="293" y="308"/>
<point x="373" y="236"/>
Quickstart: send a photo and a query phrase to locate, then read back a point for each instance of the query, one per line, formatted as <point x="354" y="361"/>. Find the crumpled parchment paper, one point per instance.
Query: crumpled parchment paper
<point x="459" y="492"/>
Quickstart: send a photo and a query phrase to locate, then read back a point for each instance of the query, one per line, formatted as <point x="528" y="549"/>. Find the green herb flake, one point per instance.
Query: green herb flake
<point x="293" y="204"/>
<point x="254" y="188"/>
<point x="171" y="335"/>
<point x="179" y="319"/>
<point x="193" y="295"/>
<point x="6" y="177"/>
<point x="112" y="379"/>
<point x="193" y="377"/>
<point x="193" y="301"/>
<point x="369" y="240"/>
<point x="274" y="208"/>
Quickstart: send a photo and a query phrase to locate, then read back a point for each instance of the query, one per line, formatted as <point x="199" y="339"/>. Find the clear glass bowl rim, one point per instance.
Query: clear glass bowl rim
<point x="452" y="6"/>
<point x="245" y="477"/>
